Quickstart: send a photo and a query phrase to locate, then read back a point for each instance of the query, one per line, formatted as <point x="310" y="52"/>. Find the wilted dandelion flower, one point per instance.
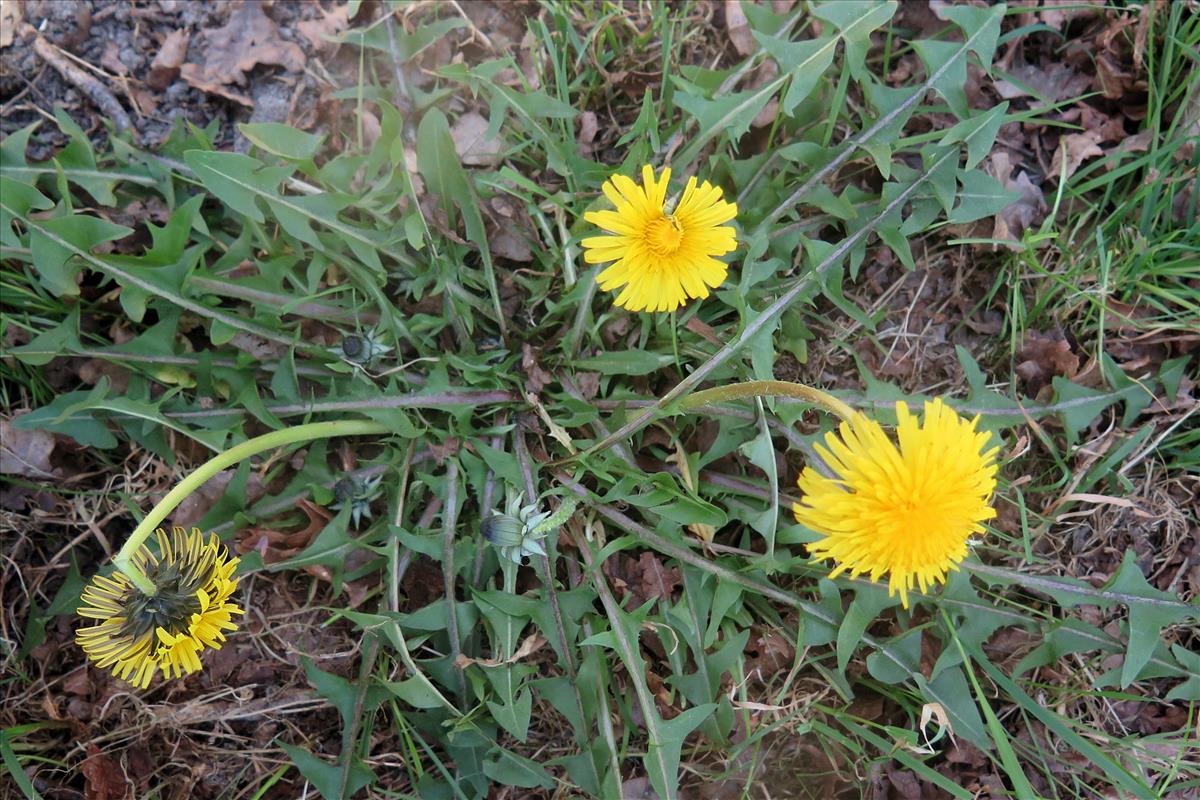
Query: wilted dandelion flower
<point x="519" y="531"/>
<point x="138" y="634"/>
<point x="358" y="493"/>
<point x="660" y="257"/>
<point x="362" y="348"/>
<point x="906" y="512"/>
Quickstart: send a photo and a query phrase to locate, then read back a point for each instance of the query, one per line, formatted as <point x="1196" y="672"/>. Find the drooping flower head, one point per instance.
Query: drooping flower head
<point x="139" y="634"/>
<point x="905" y="511"/>
<point x="661" y="257"/>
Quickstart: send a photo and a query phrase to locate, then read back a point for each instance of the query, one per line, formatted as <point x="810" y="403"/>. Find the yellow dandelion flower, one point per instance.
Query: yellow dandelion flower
<point x="660" y="257"/>
<point x="906" y="512"/>
<point x="140" y="634"/>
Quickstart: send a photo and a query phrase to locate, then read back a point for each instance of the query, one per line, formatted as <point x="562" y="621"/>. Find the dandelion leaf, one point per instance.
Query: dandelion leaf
<point x="1150" y="610"/>
<point x="855" y="20"/>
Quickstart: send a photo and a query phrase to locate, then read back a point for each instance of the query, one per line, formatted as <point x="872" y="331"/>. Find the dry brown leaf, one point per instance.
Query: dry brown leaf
<point x="10" y="19"/>
<point x="167" y="61"/>
<point x="258" y="349"/>
<point x="904" y="784"/>
<point x="536" y="378"/>
<point x="767" y="115"/>
<point x="371" y="129"/>
<point x="78" y="683"/>
<point x="766" y="72"/>
<point x="644" y="578"/>
<point x="638" y="789"/>
<point x="111" y="59"/>
<point x="249" y="38"/>
<point x="1053" y="82"/>
<point x="274" y="545"/>
<point x="25" y="453"/>
<point x="469" y="133"/>
<point x="1110" y="129"/>
<point x="92" y="370"/>
<point x="589" y="126"/>
<point x="1043" y="357"/>
<point x="1073" y="150"/>
<point x="704" y="330"/>
<point x="331" y="23"/>
<point x="1138" y="143"/>
<point x="769" y="653"/>
<point x="655" y="580"/>
<point x="410" y="164"/>
<point x="196" y="505"/>
<point x="1111" y="78"/>
<point x="589" y="384"/>
<point x="103" y="779"/>
<point x="1017" y="217"/>
<point x="738" y="28"/>
<point x="507" y="242"/>
<point x="528" y="647"/>
<point x="1057" y="13"/>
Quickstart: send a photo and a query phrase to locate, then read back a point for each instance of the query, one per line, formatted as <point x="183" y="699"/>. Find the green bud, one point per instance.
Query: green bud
<point x="503" y="530"/>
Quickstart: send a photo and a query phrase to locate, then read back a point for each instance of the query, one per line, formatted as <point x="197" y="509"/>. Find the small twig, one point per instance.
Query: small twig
<point x="483" y="37"/>
<point x="96" y="91"/>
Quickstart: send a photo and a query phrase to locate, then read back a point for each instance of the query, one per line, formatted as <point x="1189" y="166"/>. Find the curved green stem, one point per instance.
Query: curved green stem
<point x="299" y="433"/>
<point x="736" y="391"/>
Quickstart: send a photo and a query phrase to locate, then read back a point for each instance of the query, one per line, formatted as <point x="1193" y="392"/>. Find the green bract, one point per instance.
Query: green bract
<point x="518" y="532"/>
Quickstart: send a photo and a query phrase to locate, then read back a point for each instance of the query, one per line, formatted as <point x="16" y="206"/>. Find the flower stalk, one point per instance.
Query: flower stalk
<point x="738" y="391"/>
<point x="124" y="560"/>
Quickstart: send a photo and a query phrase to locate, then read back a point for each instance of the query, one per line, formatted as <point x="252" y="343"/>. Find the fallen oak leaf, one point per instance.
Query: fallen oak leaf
<point x="1073" y="150"/>
<point x="530" y="645"/>
<point x="321" y="31"/>
<point x="249" y="38"/>
<point x="589" y="126"/>
<point x="1019" y="216"/>
<point x="275" y="545"/>
<point x="472" y="143"/>
<point x="1058" y="13"/>
<point x="1052" y="82"/>
<point x="168" y="60"/>
<point x="1111" y="79"/>
<point x="25" y="453"/>
<point x="509" y="244"/>
<point x="10" y="19"/>
<point x="738" y="28"/>
<point x="103" y="779"/>
<point x="111" y="59"/>
<point x="1043" y="357"/>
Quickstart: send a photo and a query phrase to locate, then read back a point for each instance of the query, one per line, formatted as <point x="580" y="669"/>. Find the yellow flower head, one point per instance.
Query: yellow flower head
<point x="906" y="512"/>
<point x="661" y="257"/>
<point x="139" y="634"/>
